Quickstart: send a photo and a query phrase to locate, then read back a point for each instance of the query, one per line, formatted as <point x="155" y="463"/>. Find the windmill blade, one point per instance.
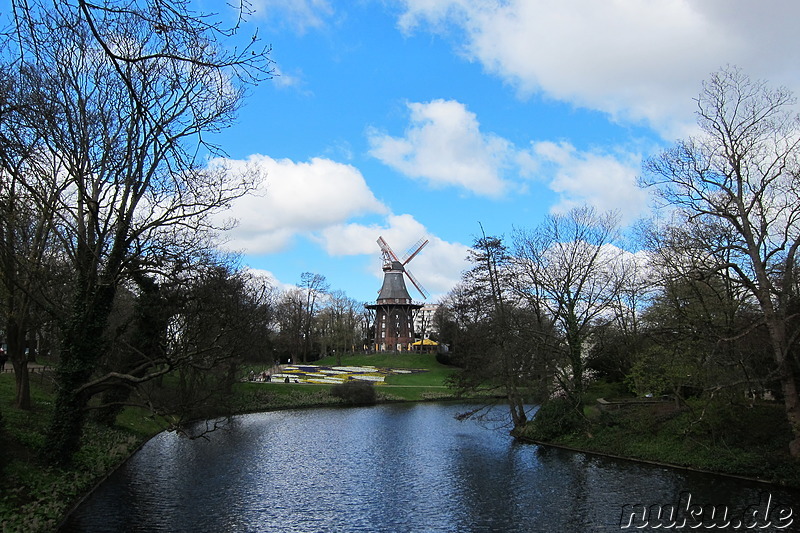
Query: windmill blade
<point x="387" y="250"/>
<point x="417" y="284"/>
<point x="420" y="244"/>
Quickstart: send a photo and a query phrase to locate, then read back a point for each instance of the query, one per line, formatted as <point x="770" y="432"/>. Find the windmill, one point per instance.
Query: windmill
<point x="389" y="257"/>
<point x="394" y="309"/>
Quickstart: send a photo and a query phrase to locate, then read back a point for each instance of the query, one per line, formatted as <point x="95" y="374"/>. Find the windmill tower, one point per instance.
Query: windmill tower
<point x="394" y="309"/>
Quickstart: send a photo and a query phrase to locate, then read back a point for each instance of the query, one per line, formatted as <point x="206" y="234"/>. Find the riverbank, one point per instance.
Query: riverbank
<point x="36" y="498"/>
<point x="746" y="440"/>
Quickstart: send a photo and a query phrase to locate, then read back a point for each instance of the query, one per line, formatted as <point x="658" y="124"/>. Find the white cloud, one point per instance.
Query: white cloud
<point x="638" y="60"/>
<point x="604" y="181"/>
<point x="271" y="278"/>
<point x="437" y="267"/>
<point x="356" y="239"/>
<point x="317" y="199"/>
<point x="296" y="198"/>
<point x="300" y="14"/>
<point x="444" y="146"/>
<point x="283" y="79"/>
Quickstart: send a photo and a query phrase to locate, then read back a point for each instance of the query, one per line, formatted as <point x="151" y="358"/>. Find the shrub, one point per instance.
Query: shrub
<point x="733" y="424"/>
<point x="449" y="359"/>
<point x="556" y="418"/>
<point x="355" y="392"/>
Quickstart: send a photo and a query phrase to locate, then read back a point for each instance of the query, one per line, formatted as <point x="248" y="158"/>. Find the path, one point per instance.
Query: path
<point x="33" y="368"/>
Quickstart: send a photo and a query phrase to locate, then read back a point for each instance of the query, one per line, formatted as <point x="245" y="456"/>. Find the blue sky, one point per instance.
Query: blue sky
<point x="426" y="118"/>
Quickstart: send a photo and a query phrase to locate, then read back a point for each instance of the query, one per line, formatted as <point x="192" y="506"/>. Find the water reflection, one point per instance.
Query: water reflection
<point x="386" y="468"/>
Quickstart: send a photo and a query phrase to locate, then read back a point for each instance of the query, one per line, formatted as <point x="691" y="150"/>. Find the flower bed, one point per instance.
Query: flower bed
<point x="337" y="374"/>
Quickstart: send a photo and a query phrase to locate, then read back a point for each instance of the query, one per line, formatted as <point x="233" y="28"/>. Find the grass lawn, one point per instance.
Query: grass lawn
<point x="35" y="497"/>
<point x="387" y="360"/>
<point x="418" y="386"/>
<point x="724" y="436"/>
<point x="426" y="385"/>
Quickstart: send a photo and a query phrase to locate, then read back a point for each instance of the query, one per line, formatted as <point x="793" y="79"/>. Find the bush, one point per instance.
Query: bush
<point x="450" y="359"/>
<point x="355" y="392"/>
<point x="555" y="418"/>
<point x="726" y="423"/>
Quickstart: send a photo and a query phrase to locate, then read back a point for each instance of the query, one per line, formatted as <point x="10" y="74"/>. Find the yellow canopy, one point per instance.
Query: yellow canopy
<point x="426" y="342"/>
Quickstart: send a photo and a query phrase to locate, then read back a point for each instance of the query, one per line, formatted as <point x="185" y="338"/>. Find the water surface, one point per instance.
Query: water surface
<point x="398" y="468"/>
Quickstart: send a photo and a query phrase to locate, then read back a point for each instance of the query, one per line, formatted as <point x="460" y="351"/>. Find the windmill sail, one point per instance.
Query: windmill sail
<point x="386" y="251"/>
<point x="418" y="285"/>
<point x="392" y="264"/>
<point x="416" y="249"/>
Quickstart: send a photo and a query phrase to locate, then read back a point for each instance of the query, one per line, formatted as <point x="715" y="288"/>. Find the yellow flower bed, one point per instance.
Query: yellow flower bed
<point x="337" y="374"/>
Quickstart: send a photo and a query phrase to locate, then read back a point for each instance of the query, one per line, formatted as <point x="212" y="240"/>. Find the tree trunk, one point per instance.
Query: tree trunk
<point x="82" y="349"/>
<point x="16" y="354"/>
<point x="575" y="348"/>
<point x="64" y="434"/>
<point x="22" y="399"/>
<point x="517" y="408"/>
<point x="111" y="405"/>
<point x="791" y="402"/>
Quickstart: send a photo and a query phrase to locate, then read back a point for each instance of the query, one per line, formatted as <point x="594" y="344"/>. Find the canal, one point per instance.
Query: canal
<point x="403" y="468"/>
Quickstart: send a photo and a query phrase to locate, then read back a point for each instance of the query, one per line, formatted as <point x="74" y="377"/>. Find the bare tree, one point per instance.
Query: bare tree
<point x="29" y="261"/>
<point x="705" y="297"/>
<point x="616" y="346"/>
<point x="340" y="316"/>
<point x="289" y="315"/>
<point x="741" y="176"/>
<point x="568" y="267"/>
<point x="499" y="344"/>
<point x="313" y="286"/>
<point x="121" y="94"/>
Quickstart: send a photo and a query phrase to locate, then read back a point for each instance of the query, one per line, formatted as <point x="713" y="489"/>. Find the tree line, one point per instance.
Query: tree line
<point x="706" y="308"/>
<point x="111" y="202"/>
<point x="108" y="203"/>
<point x="109" y="224"/>
<point x="314" y="321"/>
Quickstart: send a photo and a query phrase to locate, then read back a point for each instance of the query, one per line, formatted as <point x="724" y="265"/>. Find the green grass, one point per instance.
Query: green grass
<point x="410" y="387"/>
<point x="401" y="387"/>
<point x="386" y="360"/>
<point x="36" y="497"/>
<point x="140" y="421"/>
<point x="742" y="440"/>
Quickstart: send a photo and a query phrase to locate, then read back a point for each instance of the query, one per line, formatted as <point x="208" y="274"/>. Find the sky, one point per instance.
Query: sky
<point x="433" y="119"/>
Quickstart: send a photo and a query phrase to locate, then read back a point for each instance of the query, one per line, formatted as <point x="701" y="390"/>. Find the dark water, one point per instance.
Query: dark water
<point x="397" y="468"/>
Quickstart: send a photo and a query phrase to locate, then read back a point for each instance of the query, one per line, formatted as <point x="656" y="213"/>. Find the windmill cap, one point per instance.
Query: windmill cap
<point x="394" y="265"/>
<point x="394" y="288"/>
